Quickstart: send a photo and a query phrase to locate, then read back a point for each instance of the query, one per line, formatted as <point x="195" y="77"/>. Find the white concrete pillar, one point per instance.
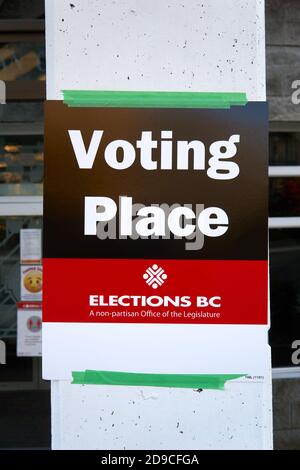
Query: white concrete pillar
<point x="187" y="45"/>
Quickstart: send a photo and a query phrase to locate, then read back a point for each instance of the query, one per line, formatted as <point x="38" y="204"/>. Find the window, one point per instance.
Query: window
<point x="21" y="165"/>
<point x="22" y="61"/>
<point x="22" y="67"/>
<point x="22" y="373"/>
<point x="284" y="223"/>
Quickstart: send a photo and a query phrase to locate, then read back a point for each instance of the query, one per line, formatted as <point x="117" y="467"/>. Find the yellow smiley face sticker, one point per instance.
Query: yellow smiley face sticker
<point x="33" y="281"/>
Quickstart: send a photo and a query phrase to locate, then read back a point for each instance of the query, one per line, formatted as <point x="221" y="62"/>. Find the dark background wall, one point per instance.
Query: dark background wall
<point x="283" y="57"/>
<point x="283" y="67"/>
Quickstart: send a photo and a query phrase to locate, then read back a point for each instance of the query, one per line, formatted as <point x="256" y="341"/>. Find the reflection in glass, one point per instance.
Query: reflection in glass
<point x="21" y="9"/>
<point x="284" y="197"/>
<point x="22" y="61"/>
<point x="284" y="148"/>
<point x="285" y="294"/>
<point x="21" y="165"/>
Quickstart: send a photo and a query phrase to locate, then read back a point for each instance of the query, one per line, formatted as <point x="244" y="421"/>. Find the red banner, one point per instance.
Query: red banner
<point x="150" y="291"/>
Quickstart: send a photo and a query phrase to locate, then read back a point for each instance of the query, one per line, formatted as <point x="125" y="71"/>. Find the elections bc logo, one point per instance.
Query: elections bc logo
<point x="155" y="276"/>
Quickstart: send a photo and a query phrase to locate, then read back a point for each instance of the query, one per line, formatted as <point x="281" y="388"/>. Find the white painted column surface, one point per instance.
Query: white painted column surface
<point x="188" y="45"/>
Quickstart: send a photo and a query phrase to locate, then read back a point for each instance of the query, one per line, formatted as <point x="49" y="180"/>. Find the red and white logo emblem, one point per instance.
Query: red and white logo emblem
<point x="155" y="276"/>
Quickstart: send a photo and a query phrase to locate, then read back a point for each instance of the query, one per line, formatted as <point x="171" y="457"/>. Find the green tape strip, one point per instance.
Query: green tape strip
<point x="195" y="381"/>
<point x="151" y="99"/>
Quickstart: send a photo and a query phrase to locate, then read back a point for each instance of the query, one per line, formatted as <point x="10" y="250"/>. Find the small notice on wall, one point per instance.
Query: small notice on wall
<point x="31" y="246"/>
<point x="31" y="283"/>
<point x="29" y="329"/>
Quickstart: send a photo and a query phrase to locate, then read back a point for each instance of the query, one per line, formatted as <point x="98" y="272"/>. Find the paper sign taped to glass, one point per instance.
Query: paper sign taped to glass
<point x="155" y="236"/>
<point x="29" y="329"/>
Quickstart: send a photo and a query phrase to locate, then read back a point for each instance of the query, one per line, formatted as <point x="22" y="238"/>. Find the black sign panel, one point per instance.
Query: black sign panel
<point x="243" y="198"/>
